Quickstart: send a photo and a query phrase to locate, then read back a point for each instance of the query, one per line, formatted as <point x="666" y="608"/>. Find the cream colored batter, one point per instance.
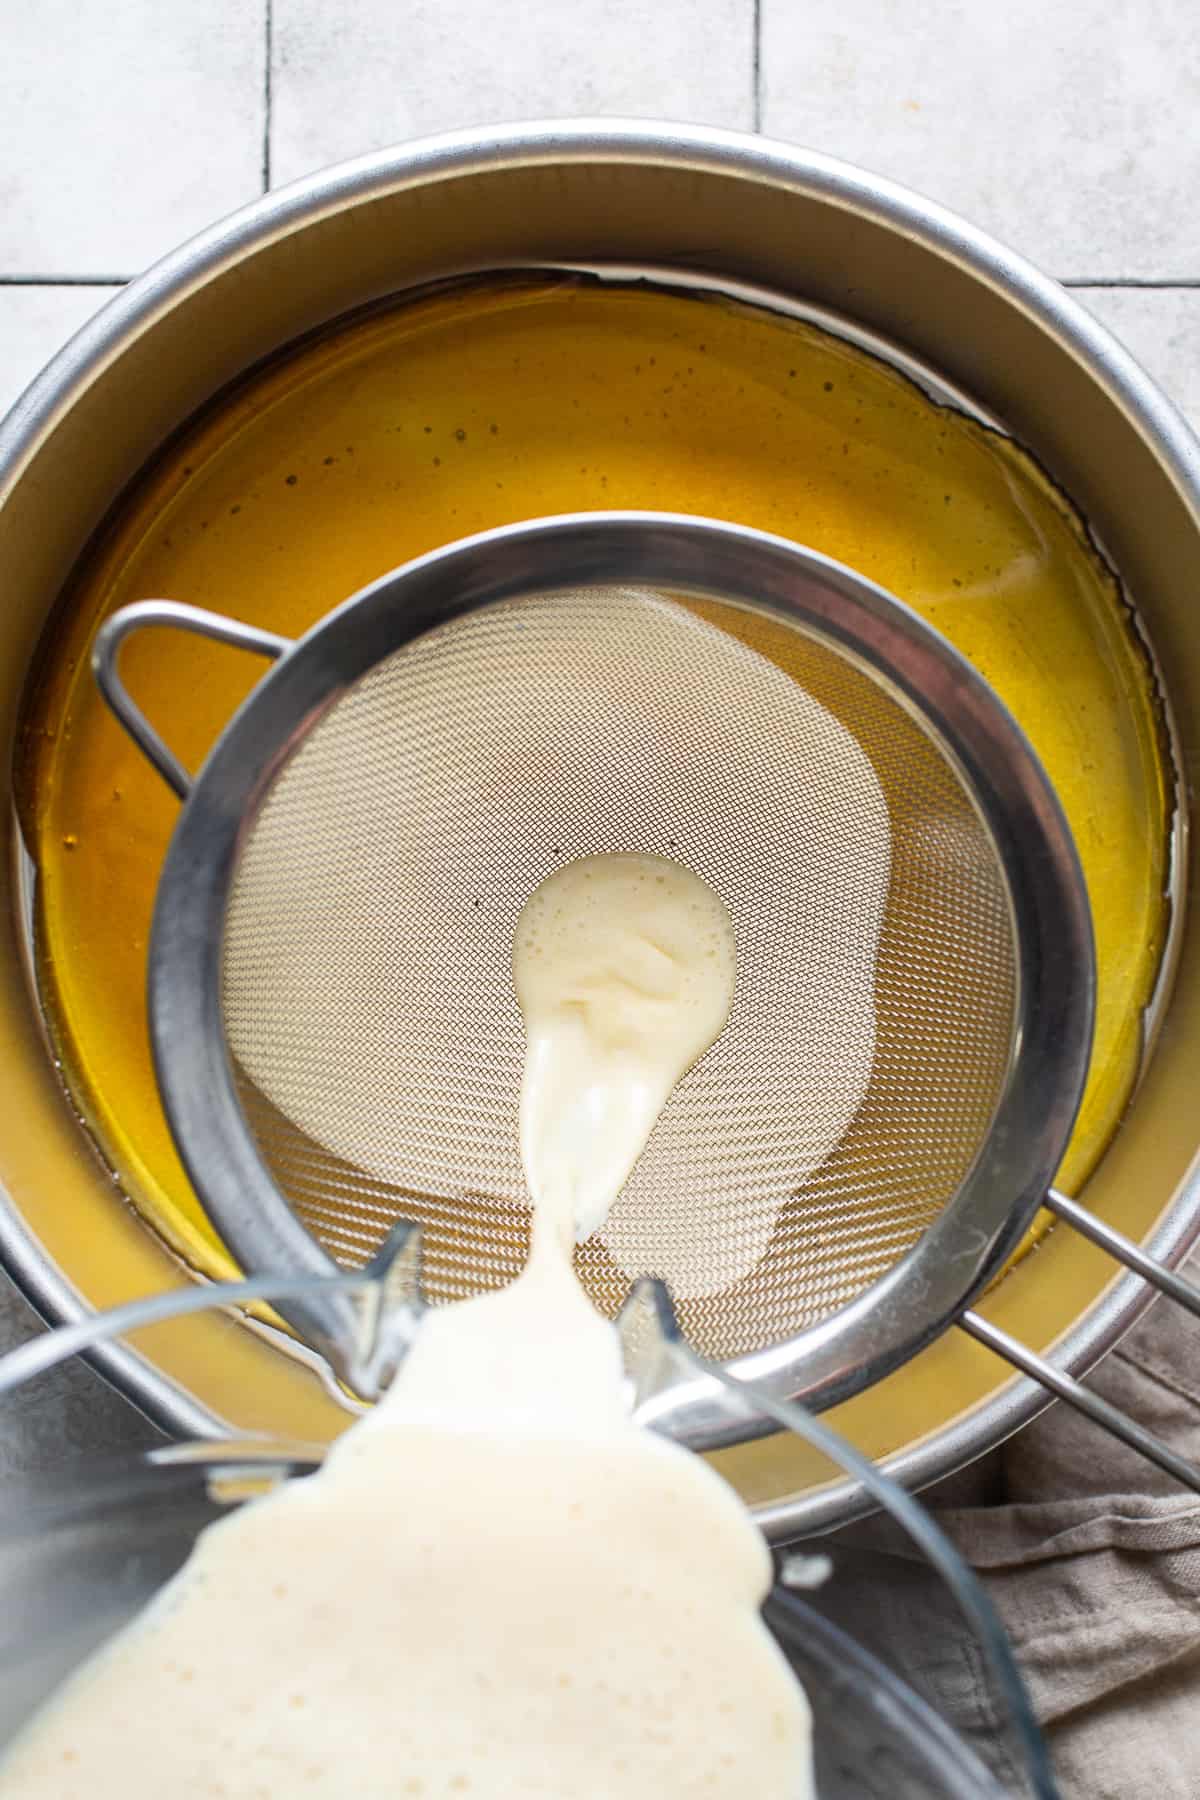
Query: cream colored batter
<point x="497" y="1585"/>
<point x="624" y="969"/>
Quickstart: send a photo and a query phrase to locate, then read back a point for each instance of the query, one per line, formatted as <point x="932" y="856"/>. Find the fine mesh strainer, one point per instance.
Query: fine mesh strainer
<point x="331" y="1005"/>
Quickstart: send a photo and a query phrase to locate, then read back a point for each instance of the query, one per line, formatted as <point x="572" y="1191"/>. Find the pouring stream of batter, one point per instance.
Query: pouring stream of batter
<point x="497" y="1585"/>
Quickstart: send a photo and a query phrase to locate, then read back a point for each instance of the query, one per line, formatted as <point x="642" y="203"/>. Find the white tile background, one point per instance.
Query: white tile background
<point x="1069" y="127"/>
<point x="350" y="78"/>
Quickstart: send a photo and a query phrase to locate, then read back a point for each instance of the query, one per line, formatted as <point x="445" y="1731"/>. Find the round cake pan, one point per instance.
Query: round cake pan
<point x="729" y="210"/>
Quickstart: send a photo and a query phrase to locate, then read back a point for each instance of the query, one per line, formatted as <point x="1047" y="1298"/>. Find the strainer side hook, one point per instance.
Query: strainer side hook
<point x="106" y="669"/>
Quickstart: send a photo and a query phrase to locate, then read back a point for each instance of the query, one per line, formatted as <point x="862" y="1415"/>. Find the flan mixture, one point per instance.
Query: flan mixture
<point x="497" y="1585"/>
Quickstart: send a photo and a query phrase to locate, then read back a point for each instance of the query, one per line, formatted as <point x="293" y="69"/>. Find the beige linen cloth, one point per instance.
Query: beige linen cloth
<point x="1092" y="1558"/>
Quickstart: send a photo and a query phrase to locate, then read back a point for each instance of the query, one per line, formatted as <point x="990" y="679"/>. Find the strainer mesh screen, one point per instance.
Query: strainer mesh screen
<point x="367" y="988"/>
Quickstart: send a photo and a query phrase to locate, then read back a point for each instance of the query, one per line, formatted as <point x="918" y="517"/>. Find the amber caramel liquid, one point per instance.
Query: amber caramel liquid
<point x="512" y="398"/>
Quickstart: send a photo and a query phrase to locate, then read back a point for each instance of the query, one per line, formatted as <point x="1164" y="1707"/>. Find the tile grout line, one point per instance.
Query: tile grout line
<point x="757" y="98"/>
<point x="268" y="48"/>
<point x="64" y="281"/>
<point x="1149" y="282"/>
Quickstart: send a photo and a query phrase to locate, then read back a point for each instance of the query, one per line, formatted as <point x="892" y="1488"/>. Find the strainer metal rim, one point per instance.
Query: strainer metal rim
<point x="905" y="1309"/>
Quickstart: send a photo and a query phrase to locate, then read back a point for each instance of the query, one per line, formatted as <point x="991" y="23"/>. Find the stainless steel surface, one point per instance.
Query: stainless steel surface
<point x="992" y="938"/>
<point x="735" y="210"/>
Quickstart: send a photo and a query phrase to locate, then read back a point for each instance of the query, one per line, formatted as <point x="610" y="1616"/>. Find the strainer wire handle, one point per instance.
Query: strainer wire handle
<point x="1185" y="1293"/>
<point x="1101" y="1412"/>
<point x="1065" y="1387"/>
<point x="106" y="655"/>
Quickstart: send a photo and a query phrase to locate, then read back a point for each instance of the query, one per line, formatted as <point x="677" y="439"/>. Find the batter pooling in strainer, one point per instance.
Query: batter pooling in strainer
<point x="497" y="1585"/>
<point x="624" y="970"/>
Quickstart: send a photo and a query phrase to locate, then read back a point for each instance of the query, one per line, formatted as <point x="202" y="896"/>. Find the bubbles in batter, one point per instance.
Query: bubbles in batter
<point x="624" y="970"/>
